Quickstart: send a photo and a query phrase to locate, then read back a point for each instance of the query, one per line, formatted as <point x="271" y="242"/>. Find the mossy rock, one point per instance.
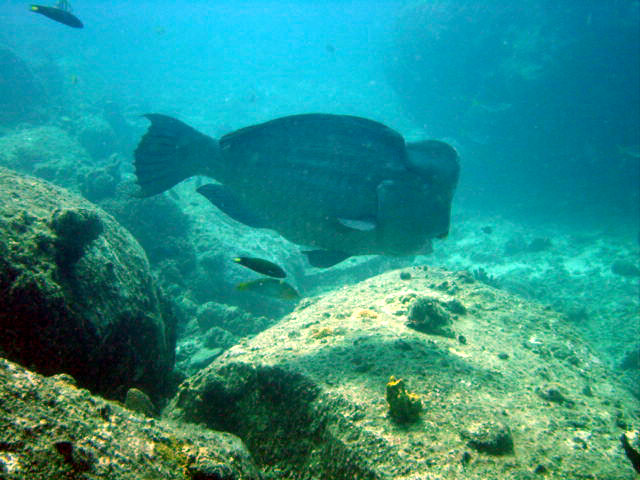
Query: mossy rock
<point x="52" y="430"/>
<point x="76" y="292"/>
<point x="307" y="395"/>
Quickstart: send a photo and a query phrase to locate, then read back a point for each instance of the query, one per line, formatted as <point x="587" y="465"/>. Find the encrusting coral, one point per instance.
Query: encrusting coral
<point x="404" y="407"/>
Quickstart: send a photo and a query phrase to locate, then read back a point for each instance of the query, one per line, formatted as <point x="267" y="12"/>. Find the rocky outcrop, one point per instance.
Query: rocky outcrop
<point x="22" y="98"/>
<point x="511" y="392"/>
<point x="48" y="152"/>
<point x="53" y="430"/>
<point x="76" y="292"/>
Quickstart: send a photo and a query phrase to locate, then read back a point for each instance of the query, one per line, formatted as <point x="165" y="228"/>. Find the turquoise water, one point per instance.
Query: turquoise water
<point x="540" y="99"/>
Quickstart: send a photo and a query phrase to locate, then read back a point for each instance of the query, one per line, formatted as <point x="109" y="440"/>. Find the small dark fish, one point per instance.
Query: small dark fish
<point x="261" y="266"/>
<point x="488" y="230"/>
<point x="330" y="48"/>
<point x="58" y="14"/>
<point x="270" y="287"/>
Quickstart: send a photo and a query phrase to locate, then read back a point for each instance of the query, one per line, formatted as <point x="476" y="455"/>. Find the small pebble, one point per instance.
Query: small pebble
<point x="540" y="469"/>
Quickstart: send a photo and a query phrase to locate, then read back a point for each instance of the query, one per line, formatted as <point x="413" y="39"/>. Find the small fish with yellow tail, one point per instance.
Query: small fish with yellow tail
<point x="270" y="287"/>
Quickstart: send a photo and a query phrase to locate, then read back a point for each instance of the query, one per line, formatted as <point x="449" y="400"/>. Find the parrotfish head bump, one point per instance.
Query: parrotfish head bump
<point x="437" y="162"/>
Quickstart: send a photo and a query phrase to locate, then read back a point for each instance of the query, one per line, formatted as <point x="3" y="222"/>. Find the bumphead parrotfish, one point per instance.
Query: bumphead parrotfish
<point x="340" y="184"/>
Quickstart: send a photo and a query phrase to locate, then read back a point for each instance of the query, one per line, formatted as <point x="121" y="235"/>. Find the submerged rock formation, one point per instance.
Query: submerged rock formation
<point x="22" y="97"/>
<point x="512" y="392"/>
<point x="53" y="430"/>
<point x="76" y="292"/>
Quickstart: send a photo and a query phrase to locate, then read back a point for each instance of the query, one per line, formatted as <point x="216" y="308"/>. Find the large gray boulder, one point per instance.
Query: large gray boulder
<point x="417" y="374"/>
<point x="76" y="292"/>
<point x="53" y="430"/>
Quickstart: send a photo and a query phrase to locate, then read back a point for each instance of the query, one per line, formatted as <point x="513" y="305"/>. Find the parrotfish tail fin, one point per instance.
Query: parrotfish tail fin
<point x="170" y="152"/>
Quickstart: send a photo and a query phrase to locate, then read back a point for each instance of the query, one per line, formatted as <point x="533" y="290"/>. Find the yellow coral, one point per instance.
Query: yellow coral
<point x="322" y="332"/>
<point x="404" y="407"/>
<point x="365" y="313"/>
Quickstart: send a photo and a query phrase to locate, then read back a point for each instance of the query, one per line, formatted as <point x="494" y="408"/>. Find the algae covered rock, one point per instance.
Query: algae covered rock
<point x="428" y="315"/>
<point x="52" y="430"/>
<point x="307" y="395"/>
<point x="138" y="401"/>
<point x="489" y="436"/>
<point x="74" y="230"/>
<point x="76" y="292"/>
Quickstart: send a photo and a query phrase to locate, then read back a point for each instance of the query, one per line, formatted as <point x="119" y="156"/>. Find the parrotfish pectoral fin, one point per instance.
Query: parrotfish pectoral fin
<point x="363" y="225"/>
<point x="325" y="258"/>
<point x="170" y="152"/>
<point x="229" y="203"/>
